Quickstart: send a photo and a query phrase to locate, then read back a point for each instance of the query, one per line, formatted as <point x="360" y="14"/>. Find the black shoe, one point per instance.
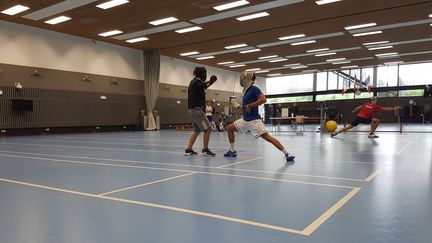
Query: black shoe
<point x="372" y="135"/>
<point x="207" y="152"/>
<point x="189" y="152"/>
<point x="333" y="134"/>
<point x="289" y="158"/>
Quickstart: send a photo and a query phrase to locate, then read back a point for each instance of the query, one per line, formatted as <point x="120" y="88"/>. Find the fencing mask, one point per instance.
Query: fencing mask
<point x="201" y="73"/>
<point x="247" y="80"/>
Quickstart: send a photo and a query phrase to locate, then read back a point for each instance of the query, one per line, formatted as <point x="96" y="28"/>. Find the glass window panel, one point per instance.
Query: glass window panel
<point x="387" y="76"/>
<point x="290" y="84"/>
<point x="326" y="97"/>
<point x="289" y="99"/>
<point x="332" y="81"/>
<point x="415" y="74"/>
<point x="322" y="81"/>
<point x="409" y="93"/>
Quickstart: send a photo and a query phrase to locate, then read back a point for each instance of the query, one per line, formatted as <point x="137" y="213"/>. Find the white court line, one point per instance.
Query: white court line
<point x="194" y="166"/>
<point x="240" y="162"/>
<point x="164" y="169"/>
<point x="407" y="145"/>
<point x="146" y="184"/>
<point x="324" y="217"/>
<point x="160" y="206"/>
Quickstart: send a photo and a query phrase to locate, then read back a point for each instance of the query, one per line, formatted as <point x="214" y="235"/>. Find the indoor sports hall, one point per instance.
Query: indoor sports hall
<point x="215" y="121"/>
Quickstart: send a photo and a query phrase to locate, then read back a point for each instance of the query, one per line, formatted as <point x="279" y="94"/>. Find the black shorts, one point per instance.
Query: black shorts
<point x="359" y="120"/>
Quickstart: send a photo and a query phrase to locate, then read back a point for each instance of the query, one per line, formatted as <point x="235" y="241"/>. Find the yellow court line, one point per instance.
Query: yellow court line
<point x="146" y="184"/>
<point x="373" y="175"/>
<point x="164" y="169"/>
<point x="160" y="206"/>
<point x="326" y="215"/>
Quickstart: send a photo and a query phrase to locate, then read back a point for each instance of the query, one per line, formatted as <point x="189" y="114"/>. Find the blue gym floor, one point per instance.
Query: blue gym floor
<point x="139" y="187"/>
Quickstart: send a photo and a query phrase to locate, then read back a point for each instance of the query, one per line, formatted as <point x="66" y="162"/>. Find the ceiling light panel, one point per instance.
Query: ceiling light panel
<point x="111" y="33"/>
<point x="190" y="29"/>
<point x="58" y="20"/>
<point x="15" y="10"/>
<point x="375" y="43"/>
<point x="231" y="5"/>
<point x="322" y="2"/>
<point x="111" y="4"/>
<point x="253" y="16"/>
<point x="135" y="40"/>
<point x="379" y="48"/>
<point x="163" y="21"/>
<point x="318" y="50"/>
<point x="292" y="37"/>
<point x="268" y="57"/>
<point x="368" y="33"/>
<point x="326" y="54"/>
<point x="303" y="43"/>
<point x="250" y="51"/>
<point x="235" y="46"/>
<point x="225" y="63"/>
<point x="353" y="27"/>
<point x="205" y="58"/>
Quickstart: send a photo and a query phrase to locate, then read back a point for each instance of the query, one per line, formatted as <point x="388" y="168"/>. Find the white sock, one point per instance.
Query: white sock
<point x="232" y="149"/>
<point x="285" y="151"/>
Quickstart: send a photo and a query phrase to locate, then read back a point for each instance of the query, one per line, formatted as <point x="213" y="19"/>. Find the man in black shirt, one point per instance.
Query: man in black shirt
<point x="196" y="107"/>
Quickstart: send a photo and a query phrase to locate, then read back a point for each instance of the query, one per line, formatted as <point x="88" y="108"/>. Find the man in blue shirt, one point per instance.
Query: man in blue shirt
<point x="251" y="120"/>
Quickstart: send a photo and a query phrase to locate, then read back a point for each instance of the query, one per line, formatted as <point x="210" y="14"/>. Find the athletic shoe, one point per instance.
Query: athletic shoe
<point x="207" y="152"/>
<point x="231" y="154"/>
<point x="372" y="136"/>
<point x="289" y="157"/>
<point x="189" y="152"/>
<point x="333" y="134"/>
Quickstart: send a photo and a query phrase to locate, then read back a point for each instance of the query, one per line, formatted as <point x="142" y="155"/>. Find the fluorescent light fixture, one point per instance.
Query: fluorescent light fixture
<point x="111" y="4"/>
<point x="299" y="67"/>
<point x="274" y="74"/>
<point x="163" y="21"/>
<point x="430" y="15"/>
<point x="293" y="65"/>
<point x="353" y="27"/>
<point x="230" y="5"/>
<point x="292" y="37"/>
<point x="249" y="51"/>
<point x="224" y="63"/>
<point x="253" y="69"/>
<point x="268" y="57"/>
<point x="57" y="20"/>
<point x="379" y="48"/>
<point x="279" y="60"/>
<point x="317" y="50"/>
<point x="236" y="66"/>
<point x="253" y="16"/>
<point x="205" y="58"/>
<point x="110" y="33"/>
<point x="375" y="43"/>
<point x="338" y="63"/>
<point x="303" y="43"/>
<point x="322" y="2"/>
<point x="386" y="54"/>
<point x="326" y="54"/>
<point x="349" y="67"/>
<point x="15" y="10"/>
<point x="235" y="46"/>
<point x="139" y="39"/>
<point x="189" y="53"/>
<point x="190" y="29"/>
<point x="262" y="71"/>
<point x="368" y="33"/>
<point x="335" y="60"/>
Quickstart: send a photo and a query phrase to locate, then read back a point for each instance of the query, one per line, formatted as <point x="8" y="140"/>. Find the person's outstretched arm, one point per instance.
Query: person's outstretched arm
<point x="357" y="108"/>
<point x="391" y="108"/>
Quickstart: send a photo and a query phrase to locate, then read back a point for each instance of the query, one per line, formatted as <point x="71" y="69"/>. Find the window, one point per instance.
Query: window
<point x="290" y="84"/>
<point x="410" y="93"/>
<point x="293" y="99"/>
<point x="415" y="74"/>
<point x="321" y="81"/>
<point x="387" y="76"/>
<point x="332" y="81"/>
<point x="326" y="97"/>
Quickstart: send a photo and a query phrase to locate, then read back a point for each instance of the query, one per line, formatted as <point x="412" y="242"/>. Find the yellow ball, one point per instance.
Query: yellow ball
<point x="330" y="126"/>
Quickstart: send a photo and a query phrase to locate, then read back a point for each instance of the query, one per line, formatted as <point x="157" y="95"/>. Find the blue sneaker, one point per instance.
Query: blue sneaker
<point x="230" y="154"/>
<point x="289" y="158"/>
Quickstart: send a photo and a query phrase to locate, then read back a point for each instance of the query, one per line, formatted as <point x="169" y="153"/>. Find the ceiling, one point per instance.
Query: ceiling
<point x="405" y="24"/>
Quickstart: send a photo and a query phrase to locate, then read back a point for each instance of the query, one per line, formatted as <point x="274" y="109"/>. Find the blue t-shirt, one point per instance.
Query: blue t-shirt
<point x="251" y="96"/>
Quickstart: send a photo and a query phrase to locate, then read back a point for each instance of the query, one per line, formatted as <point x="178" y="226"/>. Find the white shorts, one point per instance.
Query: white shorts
<point x="256" y="127"/>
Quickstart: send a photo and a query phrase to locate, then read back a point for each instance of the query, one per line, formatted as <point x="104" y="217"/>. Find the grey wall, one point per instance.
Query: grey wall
<point x="62" y="98"/>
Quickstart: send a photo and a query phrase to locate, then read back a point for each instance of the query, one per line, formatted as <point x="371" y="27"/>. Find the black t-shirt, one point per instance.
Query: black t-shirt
<point x="196" y="94"/>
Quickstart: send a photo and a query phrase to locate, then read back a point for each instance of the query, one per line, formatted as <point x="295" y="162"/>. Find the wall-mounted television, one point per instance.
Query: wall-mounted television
<point x="22" y="105"/>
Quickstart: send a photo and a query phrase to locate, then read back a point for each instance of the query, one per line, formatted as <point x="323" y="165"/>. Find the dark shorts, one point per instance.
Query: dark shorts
<point x="359" y="120"/>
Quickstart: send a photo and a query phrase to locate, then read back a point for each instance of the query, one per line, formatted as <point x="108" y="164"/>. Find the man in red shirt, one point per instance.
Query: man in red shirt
<point x="366" y="116"/>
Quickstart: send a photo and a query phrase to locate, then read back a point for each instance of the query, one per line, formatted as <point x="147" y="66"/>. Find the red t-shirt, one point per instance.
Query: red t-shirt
<point x="368" y="110"/>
